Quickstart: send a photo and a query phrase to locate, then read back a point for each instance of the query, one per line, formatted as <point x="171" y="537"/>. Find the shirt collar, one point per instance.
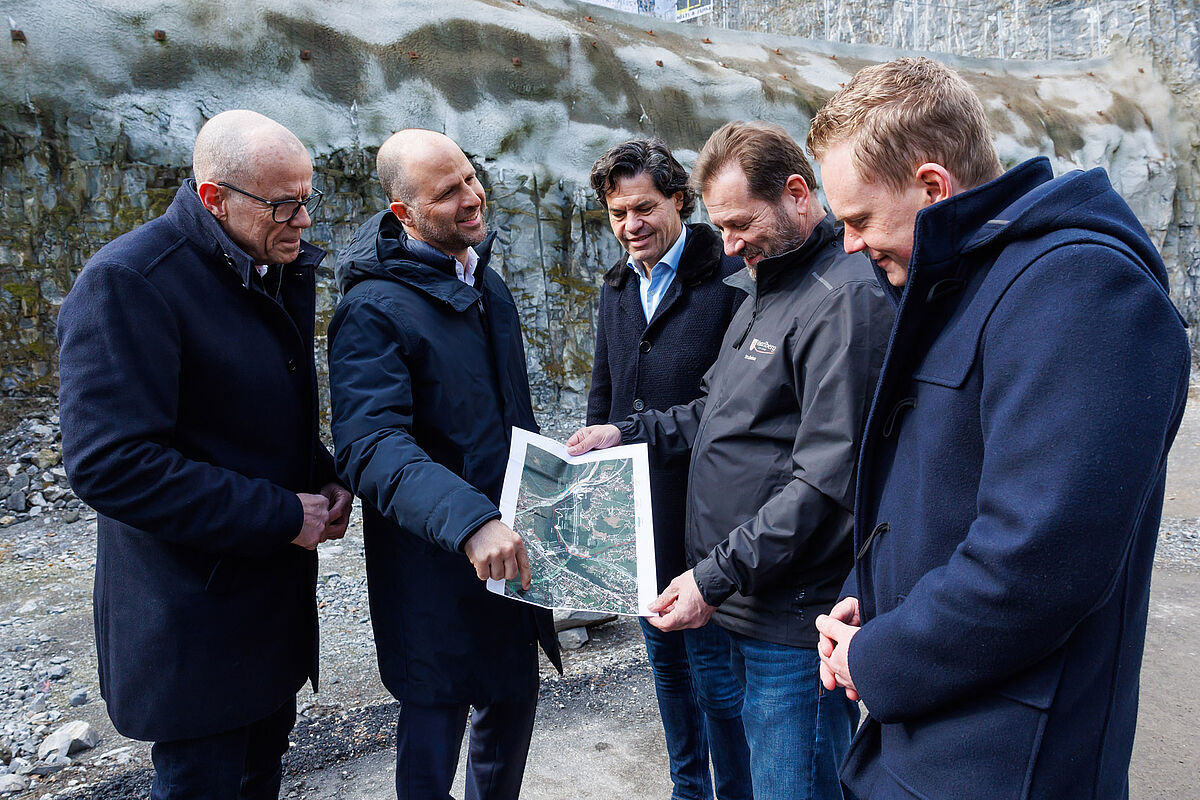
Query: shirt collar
<point x="669" y="258"/>
<point x="466" y="271"/>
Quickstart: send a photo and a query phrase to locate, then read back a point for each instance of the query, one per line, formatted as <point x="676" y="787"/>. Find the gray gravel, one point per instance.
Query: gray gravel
<point x="47" y="652"/>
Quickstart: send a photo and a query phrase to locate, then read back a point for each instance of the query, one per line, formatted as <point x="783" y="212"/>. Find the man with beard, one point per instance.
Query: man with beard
<point x="773" y="444"/>
<point x="427" y="378"/>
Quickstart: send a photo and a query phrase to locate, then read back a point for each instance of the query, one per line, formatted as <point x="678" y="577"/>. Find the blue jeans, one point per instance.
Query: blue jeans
<point x="798" y="732"/>
<point x="700" y="702"/>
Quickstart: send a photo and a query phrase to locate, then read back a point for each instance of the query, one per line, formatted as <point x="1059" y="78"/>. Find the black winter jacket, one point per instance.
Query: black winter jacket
<point x="775" y="438"/>
<point x="189" y="422"/>
<point x="661" y="364"/>
<point x="427" y="378"/>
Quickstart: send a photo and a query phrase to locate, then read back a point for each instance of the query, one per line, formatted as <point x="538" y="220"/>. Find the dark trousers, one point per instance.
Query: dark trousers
<point x="428" y="740"/>
<point x="241" y="764"/>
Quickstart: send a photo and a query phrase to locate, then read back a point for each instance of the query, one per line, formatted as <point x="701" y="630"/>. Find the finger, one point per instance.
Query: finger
<point x="657" y="622"/>
<point x="341" y="504"/>
<point x="523" y="567"/>
<point x="574" y="440"/>
<point x="825" y="646"/>
<point x="827" y="679"/>
<point x="482" y="570"/>
<point x="851" y="695"/>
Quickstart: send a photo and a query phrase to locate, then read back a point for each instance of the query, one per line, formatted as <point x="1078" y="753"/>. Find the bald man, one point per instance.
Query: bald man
<point x="427" y="377"/>
<point x="189" y="422"/>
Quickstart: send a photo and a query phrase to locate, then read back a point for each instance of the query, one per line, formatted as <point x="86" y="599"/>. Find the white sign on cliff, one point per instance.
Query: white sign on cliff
<point x="690" y="9"/>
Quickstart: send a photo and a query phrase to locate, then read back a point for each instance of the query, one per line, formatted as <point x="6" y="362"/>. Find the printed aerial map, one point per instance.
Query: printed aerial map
<point x="580" y="526"/>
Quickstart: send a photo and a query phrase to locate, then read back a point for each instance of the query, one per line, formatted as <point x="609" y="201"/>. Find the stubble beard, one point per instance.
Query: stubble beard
<point x="449" y="238"/>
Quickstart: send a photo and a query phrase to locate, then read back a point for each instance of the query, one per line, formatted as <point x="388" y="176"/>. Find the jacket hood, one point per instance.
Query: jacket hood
<point x="381" y="248"/>
<point x="701" y="257"/>
<point x="987" y="218"/>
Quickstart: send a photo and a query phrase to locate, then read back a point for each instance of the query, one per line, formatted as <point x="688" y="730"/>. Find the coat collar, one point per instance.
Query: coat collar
<point x="966" y="222"/>
<point x="197" y="223"/>
<point x="701" y="258"/>
<point x="821" y="235"/>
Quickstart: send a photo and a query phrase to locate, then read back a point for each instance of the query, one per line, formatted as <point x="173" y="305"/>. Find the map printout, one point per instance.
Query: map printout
<point x="586" y="524"/>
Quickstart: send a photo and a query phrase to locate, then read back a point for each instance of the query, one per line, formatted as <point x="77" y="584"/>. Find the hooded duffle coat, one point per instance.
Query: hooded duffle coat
<point x="1010" y="490"/>
<point x="427" y="379"/>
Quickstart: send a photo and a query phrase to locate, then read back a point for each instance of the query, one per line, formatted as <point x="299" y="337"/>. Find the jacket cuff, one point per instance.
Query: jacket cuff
<point x="628" y="432"/>
<point x="473" y="528"/>
<point x="714" y="586"/>
<point x="291" y="519"/>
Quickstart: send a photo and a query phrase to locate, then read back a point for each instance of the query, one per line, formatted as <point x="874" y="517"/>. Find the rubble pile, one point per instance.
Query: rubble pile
<point x="33" y="481"/>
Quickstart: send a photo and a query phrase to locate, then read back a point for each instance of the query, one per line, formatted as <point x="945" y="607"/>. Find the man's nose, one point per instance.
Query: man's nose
<point x="851" y="241"/>
<point x="734" y="244"/>
<point x="302" y="219"/>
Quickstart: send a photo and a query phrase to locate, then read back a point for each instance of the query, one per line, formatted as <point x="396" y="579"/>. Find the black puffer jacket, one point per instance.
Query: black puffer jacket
<point x="427" y="378"/>
<point x="775" y="437"/>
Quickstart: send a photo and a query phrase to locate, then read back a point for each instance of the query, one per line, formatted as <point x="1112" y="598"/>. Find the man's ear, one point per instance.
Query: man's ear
<point x="213" y="198"/>
<point x="936" y="182"/>
<point x="795" y="188"/>
<point x="401" y="211"/>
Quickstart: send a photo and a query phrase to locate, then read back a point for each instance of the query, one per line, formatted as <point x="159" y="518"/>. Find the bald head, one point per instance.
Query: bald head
<point x="402" y="154"/>
<point x="233" y="145"/>
<point x="433" y="190"/>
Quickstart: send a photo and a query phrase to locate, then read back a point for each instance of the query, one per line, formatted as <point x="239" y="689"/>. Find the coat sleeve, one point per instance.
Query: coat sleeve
<point x="119" y="366"/>
<point x="1084" y="374"/>
<point x="599" y="402"/>
<point x="371" y="390"/>
<point x="835" y="362"/>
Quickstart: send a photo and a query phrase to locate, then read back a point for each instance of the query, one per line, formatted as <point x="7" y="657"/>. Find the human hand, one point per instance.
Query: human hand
<point x="593" y="437"/>
<point x="340" y="500"/>
<point x="316" y="518"/>
<point x="837" y="628"/>
<point x="497" y="551"/>
<point x="683" y="604"/>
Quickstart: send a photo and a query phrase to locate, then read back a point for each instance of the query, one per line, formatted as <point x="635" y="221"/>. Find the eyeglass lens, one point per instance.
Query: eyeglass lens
<point x="285" y="211"/>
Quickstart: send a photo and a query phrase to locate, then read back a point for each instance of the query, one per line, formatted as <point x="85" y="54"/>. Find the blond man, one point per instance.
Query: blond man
<point x="1011" y="477"/>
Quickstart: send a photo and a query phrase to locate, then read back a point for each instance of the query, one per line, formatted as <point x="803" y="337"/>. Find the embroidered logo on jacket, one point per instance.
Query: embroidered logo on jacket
<point x="759" y="346"/>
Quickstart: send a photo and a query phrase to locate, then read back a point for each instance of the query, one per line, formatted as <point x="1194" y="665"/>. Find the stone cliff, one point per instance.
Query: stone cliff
<point x="100" y="102"/>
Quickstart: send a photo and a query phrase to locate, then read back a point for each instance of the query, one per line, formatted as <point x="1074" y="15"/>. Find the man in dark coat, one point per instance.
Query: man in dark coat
<point x="1012" y="471"/>
<point x="427" y="377"/>
<point x="189" y="422"/>
<point x="773" y="441"/>
<point x="663" y="312"/>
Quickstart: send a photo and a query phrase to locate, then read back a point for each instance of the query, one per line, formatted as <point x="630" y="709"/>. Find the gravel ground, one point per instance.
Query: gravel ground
<point x="47" y="654"/>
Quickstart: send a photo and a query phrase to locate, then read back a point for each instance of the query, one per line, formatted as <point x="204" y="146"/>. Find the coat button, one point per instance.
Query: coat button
<point x="645" y="346"/>
<point x="638" y="405"/>
<point x="291" y="365"/>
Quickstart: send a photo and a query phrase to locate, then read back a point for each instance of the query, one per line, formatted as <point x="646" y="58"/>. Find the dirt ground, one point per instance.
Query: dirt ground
<point x="597" y="734"/>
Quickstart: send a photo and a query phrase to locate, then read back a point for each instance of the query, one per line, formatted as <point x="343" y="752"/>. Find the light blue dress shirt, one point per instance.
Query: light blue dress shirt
<point x="653" y="288"/>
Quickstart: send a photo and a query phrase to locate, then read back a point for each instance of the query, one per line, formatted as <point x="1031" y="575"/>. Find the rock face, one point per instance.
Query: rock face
<point x="98" y="113"/>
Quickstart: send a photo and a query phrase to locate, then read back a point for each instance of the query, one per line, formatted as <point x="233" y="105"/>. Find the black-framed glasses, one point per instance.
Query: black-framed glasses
<point x="283" y="211"/>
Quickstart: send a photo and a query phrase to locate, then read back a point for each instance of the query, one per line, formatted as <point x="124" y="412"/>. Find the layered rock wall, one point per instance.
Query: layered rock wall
<point x="98" y="112"/>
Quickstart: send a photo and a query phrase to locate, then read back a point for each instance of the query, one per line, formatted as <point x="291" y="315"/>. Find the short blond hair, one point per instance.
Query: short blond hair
<point x="899" y="115"/>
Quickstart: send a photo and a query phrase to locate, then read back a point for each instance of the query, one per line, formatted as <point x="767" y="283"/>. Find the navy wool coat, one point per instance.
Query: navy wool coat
<point x="427" y="377"/>
<point x="641" y="366"/>
<point x="189" y="422"/>
<point x="1010" y="490"/>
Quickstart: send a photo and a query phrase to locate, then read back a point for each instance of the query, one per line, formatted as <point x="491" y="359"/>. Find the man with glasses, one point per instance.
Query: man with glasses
<point x="189" y="422"/>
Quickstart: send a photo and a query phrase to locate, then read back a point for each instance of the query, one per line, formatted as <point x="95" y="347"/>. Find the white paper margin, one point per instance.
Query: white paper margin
<point x="643" y="515"/>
